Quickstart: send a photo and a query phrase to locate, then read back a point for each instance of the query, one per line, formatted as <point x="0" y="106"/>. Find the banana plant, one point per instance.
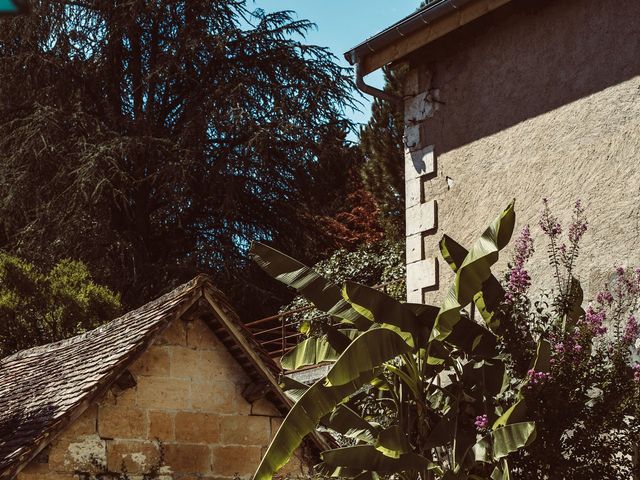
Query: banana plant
<point x="411" y="389"/>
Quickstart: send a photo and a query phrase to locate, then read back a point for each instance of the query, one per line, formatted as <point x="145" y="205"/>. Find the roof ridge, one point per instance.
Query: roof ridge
<point x="198" y="281"/>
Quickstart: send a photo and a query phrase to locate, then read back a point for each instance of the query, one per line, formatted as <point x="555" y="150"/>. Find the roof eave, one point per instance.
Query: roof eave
<point x="408" y="35"/>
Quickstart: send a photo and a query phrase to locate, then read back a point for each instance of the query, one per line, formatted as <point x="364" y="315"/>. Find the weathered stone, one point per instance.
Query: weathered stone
<point x="264" y="407"/>
<point x="135" y="456"/>
<point x="195" y="459"/>
<point x="175" y="334"/>
<point x="196" y="427"/>
<point x="34" y="471"/>
<point x="185" y="363"/>
<point x="412" y="83"/>
<point x="84" y="425"/>
<point x="121" y="422"/>
<point x="219" y="365"/>
<point x="412" y="135"/>
<point x="161" y="425"/>
<point x="217" y="397"/>
<point x="414" y="296"/>
<point x="422" y="274"/>
<point x="244" y="430"/>
<point x="419" y="163"/>
<point x="161" y="392"/>
<point x="155" y="361"/>
<point x="421" y="218"/>
<point x="200" y="336"/>
<point x="418" y="108"/>
<point x="123" y="398"/>
<point x="79" y="453"/>
<point x="413" y="192"/>
<point x="231" y="460"/>
<point x="415" y="248"/>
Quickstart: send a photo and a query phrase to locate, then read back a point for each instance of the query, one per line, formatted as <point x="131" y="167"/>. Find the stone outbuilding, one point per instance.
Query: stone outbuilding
<point x="177" y="387"/>
<point x="520" y="99"/>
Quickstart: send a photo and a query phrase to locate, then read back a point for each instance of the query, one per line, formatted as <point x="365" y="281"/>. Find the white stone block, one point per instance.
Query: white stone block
<point x="418" y="108"/>
<point x="411" y="136"/>
<point x="419" y="162"/>
<point x="415" y="248"/>
<point x="421" y="218"/>
<point x="412" y="192"/>
<point x="414" y="296"/>
<point x="422" y="274"/>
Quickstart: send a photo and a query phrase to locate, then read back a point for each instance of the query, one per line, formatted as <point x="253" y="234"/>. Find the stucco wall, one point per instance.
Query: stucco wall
<point x="188" y="396"/>
<point x="540" y="99"/>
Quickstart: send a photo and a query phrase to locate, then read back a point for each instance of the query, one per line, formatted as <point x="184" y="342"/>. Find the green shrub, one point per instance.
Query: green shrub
<point x="38" y="308"/>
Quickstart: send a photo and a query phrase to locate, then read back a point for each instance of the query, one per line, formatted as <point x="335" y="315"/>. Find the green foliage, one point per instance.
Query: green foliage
<point x="38" y="308"/>
<point x="380" y="263"/>
<point x="587" y="409"/>
<point x="154" y="140"/>
<point x="381" y="141"/>
<point x="421" y="386"/>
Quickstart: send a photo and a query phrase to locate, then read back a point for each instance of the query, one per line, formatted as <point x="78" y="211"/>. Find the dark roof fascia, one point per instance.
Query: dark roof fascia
<point x="404" y="27"/>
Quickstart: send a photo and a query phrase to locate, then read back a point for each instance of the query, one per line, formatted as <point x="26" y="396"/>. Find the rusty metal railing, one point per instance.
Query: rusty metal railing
<point x="278" y="337"/>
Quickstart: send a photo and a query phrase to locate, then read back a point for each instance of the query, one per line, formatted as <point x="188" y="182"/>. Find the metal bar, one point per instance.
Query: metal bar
<point x="280" y="315"/>
<point x="277" y="353"/>
<point x="279" y="339"/>
<point x="260" y="332"/>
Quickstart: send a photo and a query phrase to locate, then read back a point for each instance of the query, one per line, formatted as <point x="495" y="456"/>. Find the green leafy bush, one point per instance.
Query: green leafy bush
<point x="380" y="263"/>
<point x="38" y="308"/>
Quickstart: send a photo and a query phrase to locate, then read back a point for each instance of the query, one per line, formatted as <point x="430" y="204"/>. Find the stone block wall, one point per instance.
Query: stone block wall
<point x="188" y="397"/>
<point x="420" y="168"/>
<point x="538" y="99"/>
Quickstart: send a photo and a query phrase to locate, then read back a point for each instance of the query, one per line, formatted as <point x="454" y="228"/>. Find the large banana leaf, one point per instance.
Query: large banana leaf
<point x="315" y="350"/>
<point x="366" y="457"/>
<point x="382" y="309"/>
<point x="370" y="350"/>
<point x="472" y="338"/>
<point x="348" y="423"/>
<point x="502" y="441"/>
<point x="516" y="413"/>
<point x="317" y="402"/>
<point x="393" y="442"/>
<point x="293" y="389"/>
<point x="485" y="379"/>
<point x="501" y="472"/>
<point x="489" y="297"/>
<point x="324" y="294"/>
<point x="474" y="271"/>
<point x="311" y="351"/>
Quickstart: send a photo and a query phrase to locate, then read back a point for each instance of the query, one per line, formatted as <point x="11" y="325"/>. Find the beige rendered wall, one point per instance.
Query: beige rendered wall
<point x="188" y="395"/>
<point x="540" y="99"/>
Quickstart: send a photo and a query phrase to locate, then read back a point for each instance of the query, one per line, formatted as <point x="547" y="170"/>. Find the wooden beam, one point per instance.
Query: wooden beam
<point x="432" y="31"/>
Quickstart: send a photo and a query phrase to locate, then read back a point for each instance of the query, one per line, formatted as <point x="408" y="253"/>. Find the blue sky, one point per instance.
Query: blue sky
<point x="344" y="24"/>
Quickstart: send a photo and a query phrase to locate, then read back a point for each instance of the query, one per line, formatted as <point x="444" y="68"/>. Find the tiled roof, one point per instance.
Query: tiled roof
<point x="44" y="389"/>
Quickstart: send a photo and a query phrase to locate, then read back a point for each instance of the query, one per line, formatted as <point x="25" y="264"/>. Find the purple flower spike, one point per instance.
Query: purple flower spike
<point x="481" y="423"/>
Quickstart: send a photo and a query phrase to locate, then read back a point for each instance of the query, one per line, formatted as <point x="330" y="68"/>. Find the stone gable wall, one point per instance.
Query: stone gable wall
<point x="188" y="396"/>
<point x="538" y="99"/>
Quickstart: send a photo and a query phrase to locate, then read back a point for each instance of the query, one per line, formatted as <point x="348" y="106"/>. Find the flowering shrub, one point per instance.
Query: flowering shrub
<point x="587" y="408"/>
